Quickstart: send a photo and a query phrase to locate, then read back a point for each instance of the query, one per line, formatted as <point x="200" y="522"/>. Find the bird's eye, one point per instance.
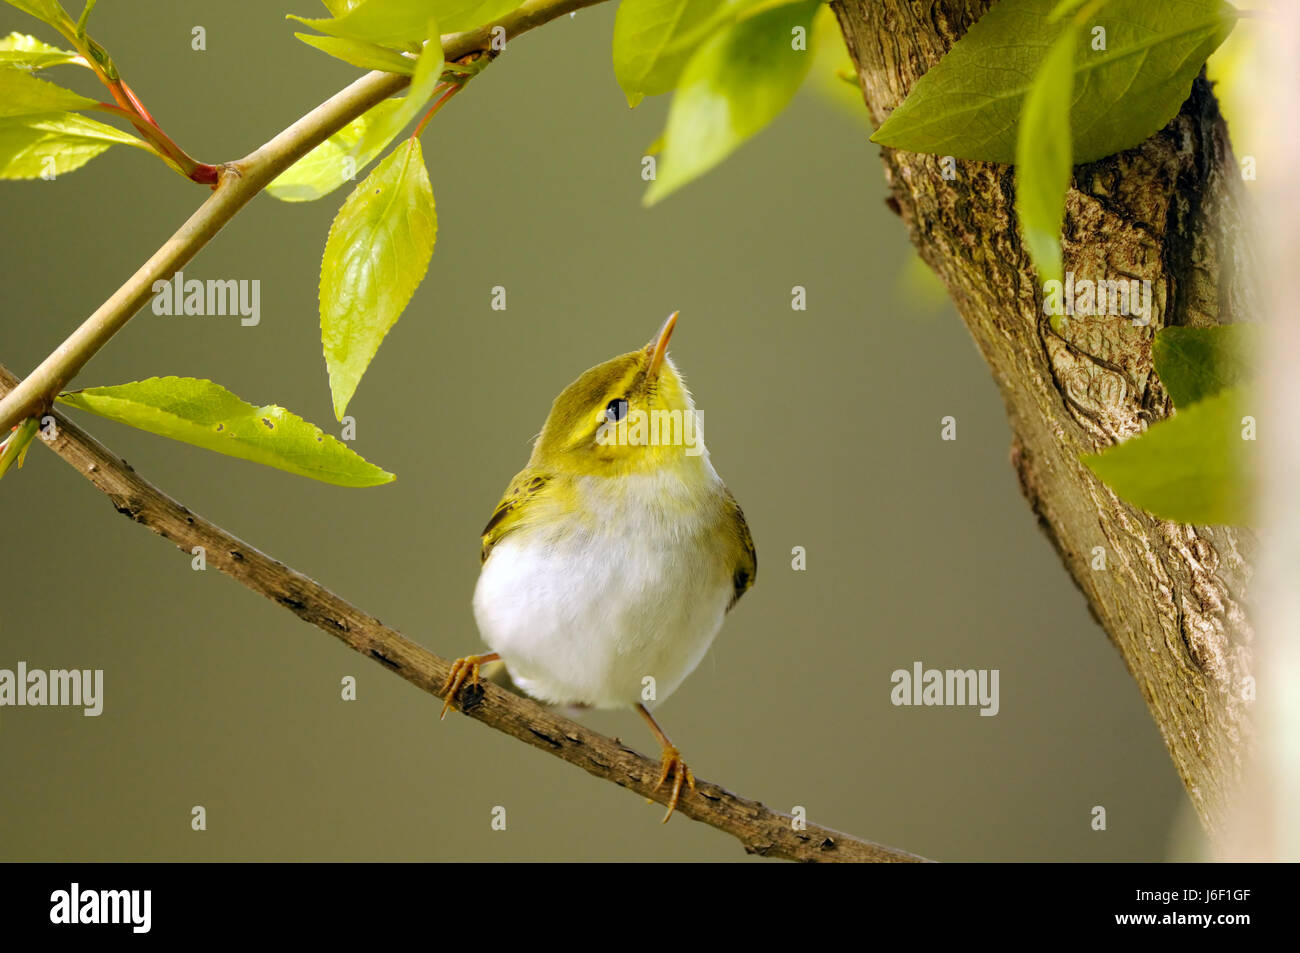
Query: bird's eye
<point x="616" y="409"/>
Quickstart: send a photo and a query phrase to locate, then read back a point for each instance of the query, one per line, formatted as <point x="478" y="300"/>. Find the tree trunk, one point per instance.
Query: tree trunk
<point x="1171" y="596"/>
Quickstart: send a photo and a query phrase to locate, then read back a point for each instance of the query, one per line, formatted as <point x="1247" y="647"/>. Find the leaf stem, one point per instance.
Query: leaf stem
<point x="164" y="145"/>
<point x="455" y="88"/>
<point x="136" y="104"/>
<point x="85" y="15"/>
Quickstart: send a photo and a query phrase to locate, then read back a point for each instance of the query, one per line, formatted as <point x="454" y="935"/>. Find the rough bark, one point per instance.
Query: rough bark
<point x="1171" y="596"/>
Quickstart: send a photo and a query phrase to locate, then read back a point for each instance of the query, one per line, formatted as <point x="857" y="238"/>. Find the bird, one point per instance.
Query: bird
<point x="614" y="556"/>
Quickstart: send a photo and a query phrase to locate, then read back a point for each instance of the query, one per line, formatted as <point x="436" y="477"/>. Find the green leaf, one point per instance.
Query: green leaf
<point x="388" y="22"/>
<point x="1066" y="7"/>
<point x="653" y="39"/>
<point x="207" y="415"/>
<point x="51" y="11"/>
<point x="1043" y="156"/>
<point x="968" y="104"/>
<point x="22" y="51"/>
<point x="1196" y="363"/>
<point x="428" y="69"/>
<point x="734" y="85"/>
<point x="385" y="22"/>
<point x="22" y="94"/>
<point x="332" y="163"/>
<point x="362" y="54"/>
<point x="13" y="449"/>
<point x="454" y="16"/>
<point x="377" y="252"/>
<point x="68" y="140"/>
<point x="1194" y="467"/>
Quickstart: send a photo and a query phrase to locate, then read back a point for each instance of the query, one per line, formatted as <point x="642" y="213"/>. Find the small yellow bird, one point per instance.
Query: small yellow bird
<point x="614" y="555"/>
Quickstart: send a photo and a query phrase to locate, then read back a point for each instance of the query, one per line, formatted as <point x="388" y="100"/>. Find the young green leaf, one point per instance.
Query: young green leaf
<point x="362" y="54"/>
<point x="734" y="85"/>
<point x="1196" y="363"/>
<point x="1129" y="82"/>
<point x="207" y="415"/>
<point x="22" y="51"/>
<point x="54" y="143"/>
<point x="453" y="16"/>
<point x="339" y="7"/>
<point x="385" y="22"/>
<point x="1066" y="7"/>
<point x="1196" y="467"/>
<point x="428" y="69"/>
<point x="377" y="252"/>
<point x="13" y="449"/>
<point x="22" y="94"/>
<point x="653" y="39"/>
<point x="50" y="11"/>
<point x="332" y="163"/>
<point x="1043" y="156"/>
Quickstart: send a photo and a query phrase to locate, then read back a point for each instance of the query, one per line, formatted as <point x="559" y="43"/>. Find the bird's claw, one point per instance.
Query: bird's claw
<point x="673" y="766"/>
<point x="462" y="669"/>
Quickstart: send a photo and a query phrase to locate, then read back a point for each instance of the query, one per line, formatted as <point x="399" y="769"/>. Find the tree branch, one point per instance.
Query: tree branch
<point x="237" y="183"/>
<point x="760" y="829"/>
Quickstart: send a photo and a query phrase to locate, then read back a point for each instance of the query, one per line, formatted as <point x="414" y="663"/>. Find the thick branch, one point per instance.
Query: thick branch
<point x="760" y="829"/>
<point x="1170" y="596"/>
<point x="238" y="182"/>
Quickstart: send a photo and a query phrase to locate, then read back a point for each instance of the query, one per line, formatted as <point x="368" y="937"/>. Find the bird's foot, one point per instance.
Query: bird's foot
<point x="462" y="670"/>
<point x="674" y="767"/>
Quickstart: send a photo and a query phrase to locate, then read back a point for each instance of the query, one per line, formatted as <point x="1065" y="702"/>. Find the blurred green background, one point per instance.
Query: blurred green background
<point x="825" y="424"/>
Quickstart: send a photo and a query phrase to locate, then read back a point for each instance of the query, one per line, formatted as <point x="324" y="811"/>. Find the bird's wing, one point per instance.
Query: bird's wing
<point x="524" y="487"/>
<point x="745" y="559"/>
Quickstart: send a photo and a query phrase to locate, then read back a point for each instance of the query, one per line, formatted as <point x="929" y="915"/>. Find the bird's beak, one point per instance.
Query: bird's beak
<point x="660" y="344"/>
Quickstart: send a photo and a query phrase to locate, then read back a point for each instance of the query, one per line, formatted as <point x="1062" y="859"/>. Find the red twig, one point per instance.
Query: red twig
<point x="455" y="88"/>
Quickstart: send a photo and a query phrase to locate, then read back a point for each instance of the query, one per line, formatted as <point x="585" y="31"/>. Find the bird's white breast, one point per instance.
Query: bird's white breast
<point x="583" y="612"/>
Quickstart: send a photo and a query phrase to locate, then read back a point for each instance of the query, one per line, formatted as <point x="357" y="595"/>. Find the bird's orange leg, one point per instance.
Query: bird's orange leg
<point x="673" y="765"/>
<point x="462" y="669"/>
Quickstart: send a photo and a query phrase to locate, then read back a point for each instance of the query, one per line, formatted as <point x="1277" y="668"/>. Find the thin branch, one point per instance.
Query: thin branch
<point x="238" y="182"/>
<point x="760" y="829"/>
<point x="134" y="111"/>
<point x="130" y="107"/>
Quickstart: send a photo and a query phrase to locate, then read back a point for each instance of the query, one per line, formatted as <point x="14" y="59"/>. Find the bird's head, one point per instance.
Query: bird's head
<point x="631" y="414"/>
